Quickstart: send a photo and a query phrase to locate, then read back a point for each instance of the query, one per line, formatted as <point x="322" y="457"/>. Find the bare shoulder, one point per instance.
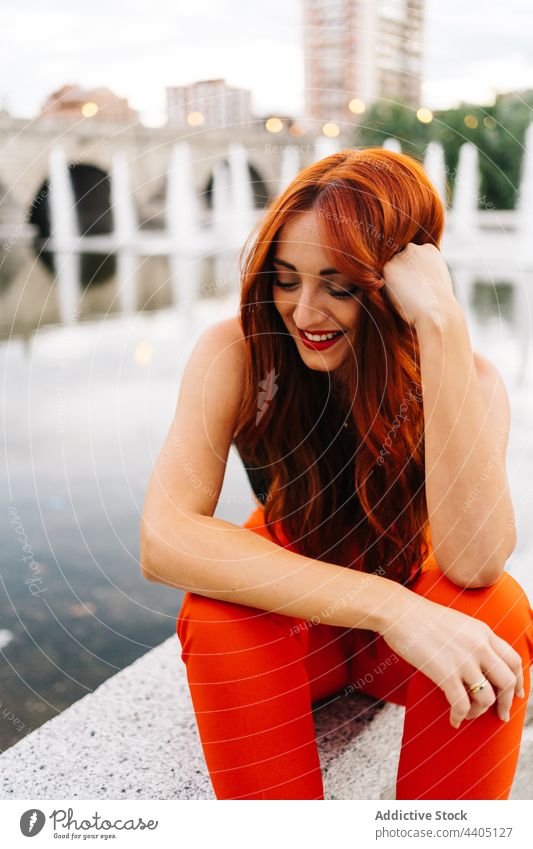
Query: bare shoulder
<point x="483" y="364"/>
<point x="494" y="393"/>
<point x="229" y="328"/>
<point x="490" y="379"/>
<point x="225" y="336"/>
<point x="218" y="363"/>
<point x="190" y="468"/>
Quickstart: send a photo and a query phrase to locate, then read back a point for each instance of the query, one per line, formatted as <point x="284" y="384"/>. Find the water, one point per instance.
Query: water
<point x="89" y="405"/>
<point x="88" y="409"/>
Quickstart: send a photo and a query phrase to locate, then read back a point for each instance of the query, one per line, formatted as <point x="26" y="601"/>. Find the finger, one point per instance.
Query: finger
<point x="458" y="698"/>
<point x="513" y="660"/>
<point x="504" y="679"/>
<point x="482" y="699"/>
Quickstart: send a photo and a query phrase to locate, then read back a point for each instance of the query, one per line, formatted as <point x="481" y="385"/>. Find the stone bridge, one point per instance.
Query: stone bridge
<point x="90" y="146"/>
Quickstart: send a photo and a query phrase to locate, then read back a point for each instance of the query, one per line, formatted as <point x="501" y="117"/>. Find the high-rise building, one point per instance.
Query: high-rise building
<point x="358" y="51"/>
<point x="208" y="103"/>
<point x="72" y="101"/>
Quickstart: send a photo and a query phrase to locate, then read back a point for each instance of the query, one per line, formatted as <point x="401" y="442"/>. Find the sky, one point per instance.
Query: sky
<point x="473" y="49"/>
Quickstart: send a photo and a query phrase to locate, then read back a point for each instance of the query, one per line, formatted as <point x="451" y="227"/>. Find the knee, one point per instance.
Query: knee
<point x="508" y="611"/>
<point x="214" y="626"/>
<point x="504" y="605"/>
<point x="204" y="617"/>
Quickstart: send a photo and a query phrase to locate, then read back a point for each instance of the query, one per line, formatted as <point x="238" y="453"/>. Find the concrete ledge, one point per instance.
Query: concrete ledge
<point x="135" y="737"/>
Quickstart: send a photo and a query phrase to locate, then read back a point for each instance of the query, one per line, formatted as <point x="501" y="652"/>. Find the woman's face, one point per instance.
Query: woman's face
<point x="310" y="295"/>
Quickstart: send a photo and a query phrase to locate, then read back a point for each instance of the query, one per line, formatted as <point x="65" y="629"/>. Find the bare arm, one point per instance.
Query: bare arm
<point x="184" y="546"/>
<point x="467" y="416"/>
<point x="217" y="559"/>
<point x="466" y="422"/>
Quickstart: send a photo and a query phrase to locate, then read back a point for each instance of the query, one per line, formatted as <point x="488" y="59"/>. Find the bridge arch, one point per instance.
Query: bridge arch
<point x="260" y="191"/>
<point x="92" y="193"/>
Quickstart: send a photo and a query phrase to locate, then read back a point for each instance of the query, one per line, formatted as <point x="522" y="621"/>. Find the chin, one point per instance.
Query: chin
<point x="321" y="365"/>
<point x="322" y="368"/>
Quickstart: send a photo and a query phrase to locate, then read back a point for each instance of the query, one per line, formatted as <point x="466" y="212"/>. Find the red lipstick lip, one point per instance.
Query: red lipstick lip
<point x="320" y="346"/>
<point x="320" y="331"/>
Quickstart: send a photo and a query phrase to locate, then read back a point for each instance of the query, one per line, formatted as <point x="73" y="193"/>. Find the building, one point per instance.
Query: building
<point x="100" y="104"/>
<point x="208" y="103"/>
<point x="358" y="51"/>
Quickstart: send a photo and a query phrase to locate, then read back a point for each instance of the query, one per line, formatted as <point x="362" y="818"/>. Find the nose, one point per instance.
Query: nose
<point x="308" y="312"/>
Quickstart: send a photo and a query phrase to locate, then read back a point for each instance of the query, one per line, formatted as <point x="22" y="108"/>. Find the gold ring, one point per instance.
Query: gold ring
<point x="474" y="688"/>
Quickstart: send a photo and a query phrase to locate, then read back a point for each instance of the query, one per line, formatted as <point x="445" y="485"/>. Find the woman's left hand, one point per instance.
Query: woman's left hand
<point x="418" y="283"/>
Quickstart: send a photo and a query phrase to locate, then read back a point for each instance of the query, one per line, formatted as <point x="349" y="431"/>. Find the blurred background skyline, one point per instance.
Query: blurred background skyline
<point x="138" y="49"/>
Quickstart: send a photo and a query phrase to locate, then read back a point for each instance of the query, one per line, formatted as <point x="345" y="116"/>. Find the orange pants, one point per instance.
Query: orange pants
<point x="253" y="676"/>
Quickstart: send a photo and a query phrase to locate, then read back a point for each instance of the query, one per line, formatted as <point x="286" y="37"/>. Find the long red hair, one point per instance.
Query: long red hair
<point x="349" y="495"/>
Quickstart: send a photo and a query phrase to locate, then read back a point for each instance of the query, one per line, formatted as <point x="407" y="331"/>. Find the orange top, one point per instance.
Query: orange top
<point x="256" y="521"/>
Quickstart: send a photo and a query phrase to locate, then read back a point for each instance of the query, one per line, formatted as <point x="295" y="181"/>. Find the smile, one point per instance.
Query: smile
<point x="319" y="342"/>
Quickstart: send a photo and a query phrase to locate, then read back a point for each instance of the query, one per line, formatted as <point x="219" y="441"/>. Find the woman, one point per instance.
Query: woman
<point x="375" y="439"/>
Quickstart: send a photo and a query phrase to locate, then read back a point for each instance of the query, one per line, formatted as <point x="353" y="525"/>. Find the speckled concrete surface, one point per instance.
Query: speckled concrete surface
<point x="135" y="737"/>
<point x="359" y="745"/>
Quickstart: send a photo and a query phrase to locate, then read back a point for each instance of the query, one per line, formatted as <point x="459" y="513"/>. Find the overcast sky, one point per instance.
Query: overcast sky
<point x="474" y="48"/>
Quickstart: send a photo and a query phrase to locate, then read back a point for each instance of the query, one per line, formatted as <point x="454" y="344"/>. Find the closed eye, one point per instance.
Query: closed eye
<point x="339" y="293"/>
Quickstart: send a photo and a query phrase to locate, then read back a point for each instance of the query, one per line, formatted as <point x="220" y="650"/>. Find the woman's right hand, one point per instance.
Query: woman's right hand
<point x="455" y="651"/>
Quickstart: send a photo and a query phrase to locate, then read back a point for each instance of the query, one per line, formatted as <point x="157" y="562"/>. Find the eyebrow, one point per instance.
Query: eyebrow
<point x="293" y="267"/>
